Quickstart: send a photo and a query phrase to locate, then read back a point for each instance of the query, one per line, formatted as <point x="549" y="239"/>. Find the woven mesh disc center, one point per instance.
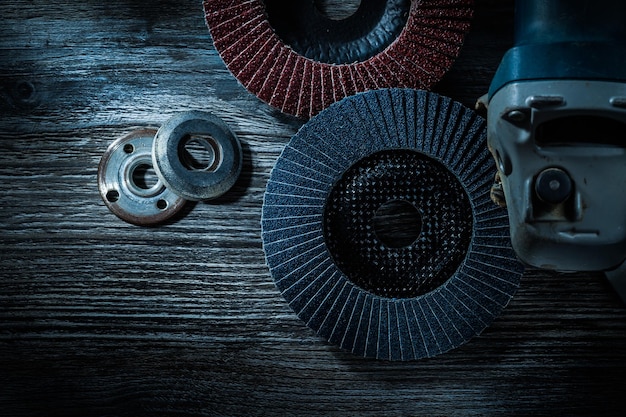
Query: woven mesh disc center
<point x="442" y="236"/>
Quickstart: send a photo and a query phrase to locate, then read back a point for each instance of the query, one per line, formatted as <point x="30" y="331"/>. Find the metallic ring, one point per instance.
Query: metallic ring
<point x="125" y="185"/>
<point x="197" y="156"/>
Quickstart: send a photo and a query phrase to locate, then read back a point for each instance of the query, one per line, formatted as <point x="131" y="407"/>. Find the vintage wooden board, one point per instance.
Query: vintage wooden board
<point x="99" y="317"/>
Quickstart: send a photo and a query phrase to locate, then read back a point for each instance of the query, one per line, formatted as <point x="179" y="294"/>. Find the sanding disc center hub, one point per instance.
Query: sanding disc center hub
<point x="398" y="223"/>
<point x="324" y="31"/>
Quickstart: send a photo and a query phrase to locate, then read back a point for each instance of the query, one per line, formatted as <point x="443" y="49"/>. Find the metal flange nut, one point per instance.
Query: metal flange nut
<point x="128" y="185"/>
<point x="197" y="156"/>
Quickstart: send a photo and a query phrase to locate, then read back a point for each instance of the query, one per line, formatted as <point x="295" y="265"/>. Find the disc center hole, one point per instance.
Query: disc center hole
<point x="337" y="9"/>
<point x="200" y="153"/>
<point x="397" y="223"/>
<point x="144" y="177"/>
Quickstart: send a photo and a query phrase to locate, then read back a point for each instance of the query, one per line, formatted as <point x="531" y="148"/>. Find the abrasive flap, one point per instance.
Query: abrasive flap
<point x="300" y="60"/>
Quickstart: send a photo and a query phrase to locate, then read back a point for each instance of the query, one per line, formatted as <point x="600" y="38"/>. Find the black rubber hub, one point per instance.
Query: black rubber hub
<point x="384" y="224"/>
<point x="311" y="33"/>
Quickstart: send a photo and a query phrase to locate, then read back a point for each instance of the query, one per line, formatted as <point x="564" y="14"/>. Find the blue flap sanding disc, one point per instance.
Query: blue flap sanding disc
<point x="378" y="227"/>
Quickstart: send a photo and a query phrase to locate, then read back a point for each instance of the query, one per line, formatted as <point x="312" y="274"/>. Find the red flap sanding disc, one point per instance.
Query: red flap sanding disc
<point x="295" y="57"/>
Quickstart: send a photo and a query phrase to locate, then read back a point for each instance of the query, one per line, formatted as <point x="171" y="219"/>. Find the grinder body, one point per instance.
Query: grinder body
<point x="557" y="130"/>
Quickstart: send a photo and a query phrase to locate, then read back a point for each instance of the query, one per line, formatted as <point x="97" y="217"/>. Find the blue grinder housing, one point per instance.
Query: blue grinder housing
<point x="565" y="39"/>
<point x="557" y="130"/>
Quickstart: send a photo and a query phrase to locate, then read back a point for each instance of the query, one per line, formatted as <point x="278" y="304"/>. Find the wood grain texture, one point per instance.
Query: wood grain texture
<point x="99" y="317"/>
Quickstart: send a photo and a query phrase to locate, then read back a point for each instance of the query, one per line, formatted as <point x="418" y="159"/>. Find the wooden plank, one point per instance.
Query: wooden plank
<point x="99" y="317"/>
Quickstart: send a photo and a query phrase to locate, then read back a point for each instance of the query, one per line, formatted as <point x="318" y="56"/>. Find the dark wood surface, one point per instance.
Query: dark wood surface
<point x="99" y="317"/>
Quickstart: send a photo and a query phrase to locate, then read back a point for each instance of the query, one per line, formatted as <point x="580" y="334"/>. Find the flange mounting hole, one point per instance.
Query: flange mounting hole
<point x="199" y="153"/>
<point x="397" y="223"/>
<point x="161" y="204"/>
<point x="337" y="9"/>
<point x="113" y="196"/>
<point x="145" y="177"/>
<point x="129" y="148"/>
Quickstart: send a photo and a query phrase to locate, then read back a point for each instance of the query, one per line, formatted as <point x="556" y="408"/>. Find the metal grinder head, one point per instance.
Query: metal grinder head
<point x="557" y="130"/>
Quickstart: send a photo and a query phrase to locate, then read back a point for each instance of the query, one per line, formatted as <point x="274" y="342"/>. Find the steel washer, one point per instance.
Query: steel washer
<point x="189" y="182"/>
<point x="137" y="204"/>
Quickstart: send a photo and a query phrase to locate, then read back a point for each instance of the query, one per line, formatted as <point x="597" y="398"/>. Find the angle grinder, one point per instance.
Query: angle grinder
<point x="557" y="130"/>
